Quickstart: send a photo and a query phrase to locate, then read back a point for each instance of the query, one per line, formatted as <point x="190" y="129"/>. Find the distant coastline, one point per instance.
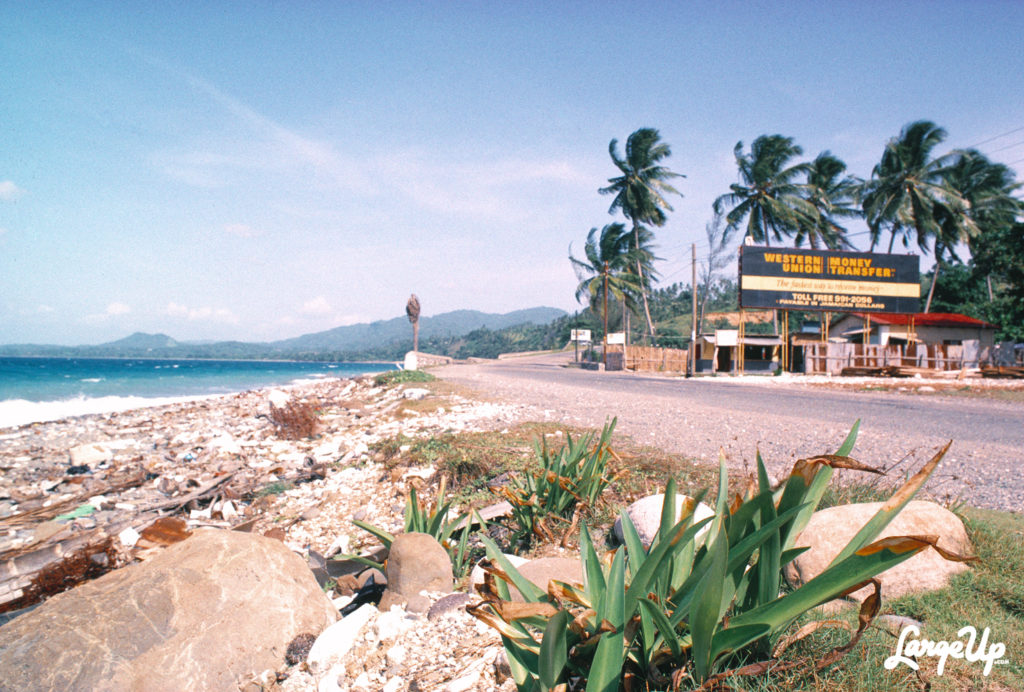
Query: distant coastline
<point x="38" y="389"/>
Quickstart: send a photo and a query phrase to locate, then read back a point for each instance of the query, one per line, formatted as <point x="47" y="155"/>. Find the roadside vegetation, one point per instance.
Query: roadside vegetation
<point x="550" y="645"/>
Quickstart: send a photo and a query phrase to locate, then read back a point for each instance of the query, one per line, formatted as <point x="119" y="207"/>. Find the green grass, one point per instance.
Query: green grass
<point x="990" y="594"/>
<point x="394" y="377"/>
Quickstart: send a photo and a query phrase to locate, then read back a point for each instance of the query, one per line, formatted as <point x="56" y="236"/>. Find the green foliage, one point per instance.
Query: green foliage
<point x="567" y="482"/>
<point x="703" y="601"/>
<point x="393" y="377"/>
<point x="433" y="520"/>
<point x="275" y="488"/>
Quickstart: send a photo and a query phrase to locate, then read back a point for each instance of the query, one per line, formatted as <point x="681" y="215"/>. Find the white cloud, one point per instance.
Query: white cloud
<point x="241" y="230"/>
<point x="316" y="306"/>
<point x="115" y="309"/>
<point x="9" y="191"/>
<point x="205" y="313"/>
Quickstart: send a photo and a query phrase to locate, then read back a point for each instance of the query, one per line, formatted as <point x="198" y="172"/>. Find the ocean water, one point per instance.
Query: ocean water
<point x="41" y="389"/>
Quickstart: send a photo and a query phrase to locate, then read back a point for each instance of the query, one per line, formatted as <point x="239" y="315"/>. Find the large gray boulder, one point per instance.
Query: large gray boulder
<point x="829" y="530"/>
<point x="204" y="614"/>
<point x="645" y="514"/>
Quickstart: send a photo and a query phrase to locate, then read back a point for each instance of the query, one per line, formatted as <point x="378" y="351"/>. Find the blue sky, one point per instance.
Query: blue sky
<point x="257" y="171"/>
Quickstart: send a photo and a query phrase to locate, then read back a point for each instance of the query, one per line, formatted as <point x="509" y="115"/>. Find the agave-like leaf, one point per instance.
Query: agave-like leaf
<point x="706" y="611"/>
<point x="530" y="591"/>
<point x="606" y="667"/>
<point x="838" y="577"/>
<point x="386" y="538"/>
<point x="668" y="633"/>
<point x="554" y="650"/>
<point x="891" y="507"/>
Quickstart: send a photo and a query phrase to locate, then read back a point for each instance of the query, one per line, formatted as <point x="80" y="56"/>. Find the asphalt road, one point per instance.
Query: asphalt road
<point x="786" y="420"/>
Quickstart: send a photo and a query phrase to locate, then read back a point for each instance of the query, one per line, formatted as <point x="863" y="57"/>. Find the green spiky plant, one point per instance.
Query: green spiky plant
<point x="434" y="521"/>
<point x="694" y="608"/>
<point x="567" y="481"/>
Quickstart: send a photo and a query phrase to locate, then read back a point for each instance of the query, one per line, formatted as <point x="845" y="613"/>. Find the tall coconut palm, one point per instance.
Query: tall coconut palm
<point x="833" y="195"/>
<point x="606" y="270"/>
<point x="908" y="193"/>
<point x="640" y="193"/>
<point x="769" y="195"/>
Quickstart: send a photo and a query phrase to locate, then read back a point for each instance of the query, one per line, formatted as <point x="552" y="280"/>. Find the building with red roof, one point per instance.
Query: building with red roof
<point x="948" y="328"/>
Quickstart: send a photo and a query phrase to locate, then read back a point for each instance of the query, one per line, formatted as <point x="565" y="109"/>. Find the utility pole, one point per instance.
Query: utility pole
<point x="604" y="349"/>
<point x="692" y="364"/>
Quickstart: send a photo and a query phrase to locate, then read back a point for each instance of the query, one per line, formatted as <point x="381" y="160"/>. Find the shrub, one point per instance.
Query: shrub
<point x="694" y="607"/>
<point x="434" y="521"/>
<point x="567" y="482"/>
<point x="401" y="376"/>
<point x="295" y="420"/>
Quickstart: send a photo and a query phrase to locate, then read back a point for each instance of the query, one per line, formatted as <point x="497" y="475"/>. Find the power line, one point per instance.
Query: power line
<point x="992" y="139"/>
<point x="1008" y="146"/>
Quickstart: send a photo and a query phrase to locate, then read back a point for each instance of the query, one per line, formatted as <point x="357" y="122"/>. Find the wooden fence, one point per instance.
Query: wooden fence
<point x="650" y="359"/>
<point x="833" y="357"/>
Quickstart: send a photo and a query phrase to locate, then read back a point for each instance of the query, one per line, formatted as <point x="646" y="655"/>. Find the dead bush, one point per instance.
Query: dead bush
<point x="295" y="420"/>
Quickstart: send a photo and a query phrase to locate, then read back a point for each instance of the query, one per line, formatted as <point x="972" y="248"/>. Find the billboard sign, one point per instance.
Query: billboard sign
<point x="580" y="335"/>
<point x="788" y="279"/>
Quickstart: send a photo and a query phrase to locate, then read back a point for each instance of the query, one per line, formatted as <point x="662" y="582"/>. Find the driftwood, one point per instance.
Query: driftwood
<point x="1002" y="371"/>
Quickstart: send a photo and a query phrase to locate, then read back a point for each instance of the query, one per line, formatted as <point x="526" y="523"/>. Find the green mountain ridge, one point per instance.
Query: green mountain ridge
<point x="380" y="339"/>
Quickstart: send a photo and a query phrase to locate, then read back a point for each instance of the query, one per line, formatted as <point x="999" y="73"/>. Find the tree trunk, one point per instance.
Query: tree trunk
<point x="643" y="284"/>
<point x="931" y="289"/>
<point x="416" y="336"/>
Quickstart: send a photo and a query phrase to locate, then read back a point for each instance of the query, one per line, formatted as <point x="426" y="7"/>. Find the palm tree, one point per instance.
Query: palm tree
<point x="985" y="190"/>
<point x="640" y="193"/>
<point x="833" y="195"/>
<point x="607" y="269"/>
<point x="768" y="195"/>
<point x="908" y="192"/>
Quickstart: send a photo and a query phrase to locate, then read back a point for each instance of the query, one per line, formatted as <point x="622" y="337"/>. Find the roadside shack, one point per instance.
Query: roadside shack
<point x="727" y="351"/>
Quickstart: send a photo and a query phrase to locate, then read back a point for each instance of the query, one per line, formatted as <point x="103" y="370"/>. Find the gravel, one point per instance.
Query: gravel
<point x="785" y="417"/>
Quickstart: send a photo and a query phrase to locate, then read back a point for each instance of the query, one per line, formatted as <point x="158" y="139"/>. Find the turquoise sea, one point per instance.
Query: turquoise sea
<point x="40" y="389"/>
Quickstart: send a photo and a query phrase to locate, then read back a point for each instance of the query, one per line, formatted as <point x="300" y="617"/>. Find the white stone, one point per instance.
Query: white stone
<point x="424" y="473"/>
<point x="645" y="514"/>
<point x="392" y="624"/>
<point x="335" y="641"/>
<point x="362" y="682"/>
<point x="129" y="537"/>
<point x="394" y="685"/>
<point x="341" y="544"/>
<point x="228" y="511"/>
<point x="277" y="398"/>
<point x="225" y="444"/>
<point x="97" y="501"/>
<point x="89" y="455"/>
<point x="329" y="682"/>
<point x="396" y="655"/>
<point x="465" y="683"/>
<point x="415" y="393"/>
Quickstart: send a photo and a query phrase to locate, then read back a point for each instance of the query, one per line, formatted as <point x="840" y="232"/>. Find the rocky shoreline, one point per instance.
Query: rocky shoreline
<point x="222" y="463"/>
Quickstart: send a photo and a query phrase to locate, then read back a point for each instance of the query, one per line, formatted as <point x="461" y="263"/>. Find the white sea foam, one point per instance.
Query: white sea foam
<point x="15" y="412"/>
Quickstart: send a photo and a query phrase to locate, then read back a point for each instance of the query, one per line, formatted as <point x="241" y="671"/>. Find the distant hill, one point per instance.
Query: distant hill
<point x="381" y="339"/>
<point x="140" y="340"/>
<point x="358" y="337"/>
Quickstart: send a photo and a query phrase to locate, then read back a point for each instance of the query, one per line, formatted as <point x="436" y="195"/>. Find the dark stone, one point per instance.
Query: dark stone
<point x="299" y="648"/>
